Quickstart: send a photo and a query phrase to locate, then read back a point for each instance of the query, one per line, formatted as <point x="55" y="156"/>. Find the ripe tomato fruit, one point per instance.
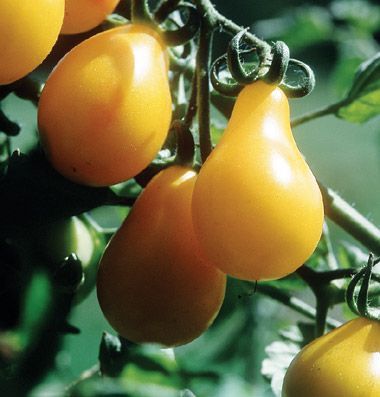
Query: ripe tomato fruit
<point x="344" y="362"/>
<point x="83" y="15"/>
<point x="105" y="110"/>
<point x="153" y="283"/>
<point x="257" y="208"/>
<point x="28" y="31"/>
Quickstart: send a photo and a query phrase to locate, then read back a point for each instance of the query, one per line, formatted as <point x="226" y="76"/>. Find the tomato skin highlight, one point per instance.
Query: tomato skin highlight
<point x="105" y="110"/>
<point x="257" y="208"/>
<point x="153" y="284"/>
<point x="28" y="32"/>
<point x="344" y="362"/>
<point x="84" y="15"/>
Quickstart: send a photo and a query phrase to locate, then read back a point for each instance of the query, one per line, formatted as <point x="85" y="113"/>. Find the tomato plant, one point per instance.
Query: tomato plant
<point x="111" y="79"/>
<point x="83" y="15"/>
<point x="153" y="284"/>
<point x="28" y="32"/>
<point x="173" y="133"/>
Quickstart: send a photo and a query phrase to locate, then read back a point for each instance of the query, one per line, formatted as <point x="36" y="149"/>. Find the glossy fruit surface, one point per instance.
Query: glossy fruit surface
<point x="105" y="110"/>
<point x="344" y="362"/>
<point x="28" y="31"/>
<point x="257" y="208"/>
<point x="153" y="283"/>
<point x="83" y="15"/>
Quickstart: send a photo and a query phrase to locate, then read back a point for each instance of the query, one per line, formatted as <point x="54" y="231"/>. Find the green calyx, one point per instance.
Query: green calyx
<point x="273" y="71"/>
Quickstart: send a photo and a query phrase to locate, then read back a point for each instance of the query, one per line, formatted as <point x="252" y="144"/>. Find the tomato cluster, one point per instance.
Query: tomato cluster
<point x="253" y="212"/>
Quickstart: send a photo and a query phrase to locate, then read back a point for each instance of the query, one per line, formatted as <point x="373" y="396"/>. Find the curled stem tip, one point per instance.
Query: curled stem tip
<point x="359" y="303"/>
<point x="223" y="87"/>
<point x="187" y="31"/>
<point x="305" y="85"/>
<point x="279" y="65"/>
<point x="234" y="62"/>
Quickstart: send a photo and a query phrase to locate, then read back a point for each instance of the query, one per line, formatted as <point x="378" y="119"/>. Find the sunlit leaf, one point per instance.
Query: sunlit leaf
<point x="363" y="100"/>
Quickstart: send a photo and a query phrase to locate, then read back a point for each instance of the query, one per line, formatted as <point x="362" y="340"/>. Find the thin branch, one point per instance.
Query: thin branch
<point x="330" y="109"/>
<point x="203" y="92"/>
<point x="219" y="21"/>
<point x="350" y="220"/>
<point x="292" y="302"/>
<point x="87" y="374"/>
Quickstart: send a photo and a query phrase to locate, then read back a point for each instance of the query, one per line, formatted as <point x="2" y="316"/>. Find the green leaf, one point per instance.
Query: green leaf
<point x="142" y="383"/>
<point x="151" y="372"/>
<point x="145" y="371"/>
<point x="358" y="13"/>
<point x="98" y="387"/>
<point x="37" y="303"/>
<point x="363" y="100"/>
<point x="289" y="283"/>
<point x="234" y="386"/>
<point x="350" y="255"/>
<point x="300" y="28"/>
<point x="281" y="353"/>
<point x="108" y="387"/>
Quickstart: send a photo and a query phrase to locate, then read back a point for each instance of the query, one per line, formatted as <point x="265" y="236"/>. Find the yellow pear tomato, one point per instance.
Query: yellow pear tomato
<point x="257" y="208"/>
<point x="83" y="15"/>
<point x="153" y="284"/>
<point x="28" y="31"/>
<point x="105" y="110"/>
<point x="344" y="362"/>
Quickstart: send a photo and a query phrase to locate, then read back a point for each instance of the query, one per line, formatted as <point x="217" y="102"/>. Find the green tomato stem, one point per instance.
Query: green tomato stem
<point x="362" y="300"/>
<point x="219" y="21"/>
<point x="325" y="111"/>
<point x="140" y="12"/>
<point x="89" y="373"/>
<point x="192" y="106"/>
<point x="185" y="144"/>
<point x="292" y="302"/>
<point x="350" y="220"/>
<point x="203" y="92"/>
<point x="321" y="317"/>
<point x="331" y="260"/>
